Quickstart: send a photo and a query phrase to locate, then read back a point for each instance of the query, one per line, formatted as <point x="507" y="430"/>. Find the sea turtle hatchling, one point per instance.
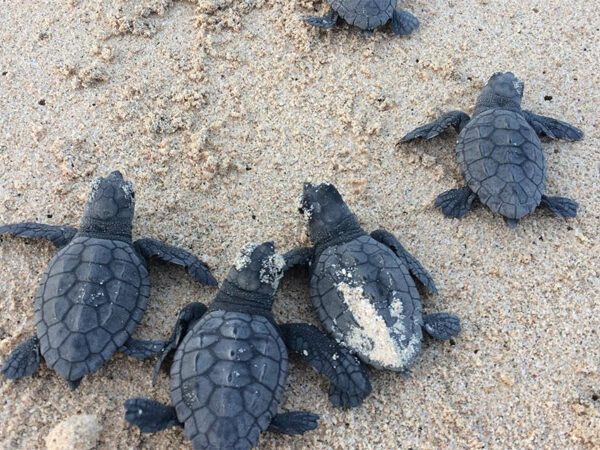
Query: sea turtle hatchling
<point x="500" y="154"/>
<point x="231" y="362"/>
<point x="367" y="15"/>
<point x="94" y="292"/>
<point x="362" y="285"/>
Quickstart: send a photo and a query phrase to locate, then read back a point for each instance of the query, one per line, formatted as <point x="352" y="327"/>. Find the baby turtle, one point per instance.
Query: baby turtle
<point x="367" y="15"/>
<point x="94" y="292"/>
<point x="500" y="154"/>
<point x="231" y="362"/>
<point x="362" y="285"/>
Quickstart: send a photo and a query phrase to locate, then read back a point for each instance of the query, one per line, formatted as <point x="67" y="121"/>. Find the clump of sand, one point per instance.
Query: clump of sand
<point x="381" y="345"/>
<point x="80" y="432"/>
<point x="243" y="259"/>
<point x="271" y="271"/>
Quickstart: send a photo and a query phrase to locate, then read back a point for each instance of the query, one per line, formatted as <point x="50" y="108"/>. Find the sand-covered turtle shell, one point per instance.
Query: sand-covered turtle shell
<point x="90" y="301"/>
<point x="502" y="161"/>
<point x="365" y="14"/>
<point x="368" y="301"/>
<point x="227" y="379"/>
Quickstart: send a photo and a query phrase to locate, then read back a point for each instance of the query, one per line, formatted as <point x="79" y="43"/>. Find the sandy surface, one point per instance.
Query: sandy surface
<point x="219" y="110"/>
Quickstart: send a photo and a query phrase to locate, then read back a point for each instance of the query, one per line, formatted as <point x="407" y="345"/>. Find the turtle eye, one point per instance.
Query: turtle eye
<point x="301" y="210"/>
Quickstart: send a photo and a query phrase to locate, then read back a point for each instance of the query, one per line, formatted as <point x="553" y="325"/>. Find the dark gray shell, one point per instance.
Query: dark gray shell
<point x="90" y="301"/>
<point x="349" y="277"/>
<point x="365" y="14"/>
<point x="502" y="161"/>
<point x="227" y="379"/>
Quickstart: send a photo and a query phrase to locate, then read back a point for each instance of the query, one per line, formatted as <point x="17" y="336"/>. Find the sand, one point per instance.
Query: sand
<point x="219" y="110"/>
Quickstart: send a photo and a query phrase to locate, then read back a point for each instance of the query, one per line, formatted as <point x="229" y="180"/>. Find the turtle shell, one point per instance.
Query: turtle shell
<point x="502" y="161"/>
<point x="368" y="301"/>
<point x="227" y="379"/>
<point x="365" y="14"/>
<point x="90" y="301"/>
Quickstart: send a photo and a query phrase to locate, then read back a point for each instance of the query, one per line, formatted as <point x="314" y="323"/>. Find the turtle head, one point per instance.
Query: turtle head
<point x="325" y="210"/>
<point x="503" y="90"/>
<point x="110" y="206"/>
<point x="257" y="268"/>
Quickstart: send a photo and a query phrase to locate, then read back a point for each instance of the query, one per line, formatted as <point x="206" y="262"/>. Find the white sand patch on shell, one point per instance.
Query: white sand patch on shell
<point x="374" y="339"/>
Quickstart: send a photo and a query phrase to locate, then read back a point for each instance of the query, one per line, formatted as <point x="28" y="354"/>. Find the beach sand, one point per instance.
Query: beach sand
<point x="220" y="110"/>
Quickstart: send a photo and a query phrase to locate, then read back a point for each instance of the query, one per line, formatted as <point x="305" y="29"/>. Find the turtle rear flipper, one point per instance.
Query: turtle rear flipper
<point x="441" y="326"/>
<point x="185" y="320"/>
<point x="553" y="128"/>
<point x="150" y="416"/>
<point x="325" y="22"/>
<point x="59" y="236"/>
<point x="150" y="248"/>
<point x="403" y="22"/>
<point x="295" y="422"/>
<point x="343" y="370"/>
<point x="561" y="206"/>
<point x="24" y="360"/>
<point x="414" y="266"/>
<point x="456" y="119"/>
<point x="455" y="202"/>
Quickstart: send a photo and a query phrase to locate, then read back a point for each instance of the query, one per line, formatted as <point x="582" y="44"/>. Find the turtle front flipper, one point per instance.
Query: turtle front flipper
<point x="300" y="256"/>
<point x="350" y="383"/>
<point x="24" y="360"/>
<point x="403" y="22"/>
<point x="295" y="422"/>
<point x="456" y="119"/>
<point x="455" y="202"/>
<point x="150" y="248"/>
<point x="414" y="266"/>
<point x="142" y="349"/>
<point x="59" y="236"/>
<point x="185" y="320"/>
<point x="441" y="326"/>
<point x="325" y="22"/>
<point x="561" y="206"/>
<point x="553" y="128"/>
<point x="150" y="416"/>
